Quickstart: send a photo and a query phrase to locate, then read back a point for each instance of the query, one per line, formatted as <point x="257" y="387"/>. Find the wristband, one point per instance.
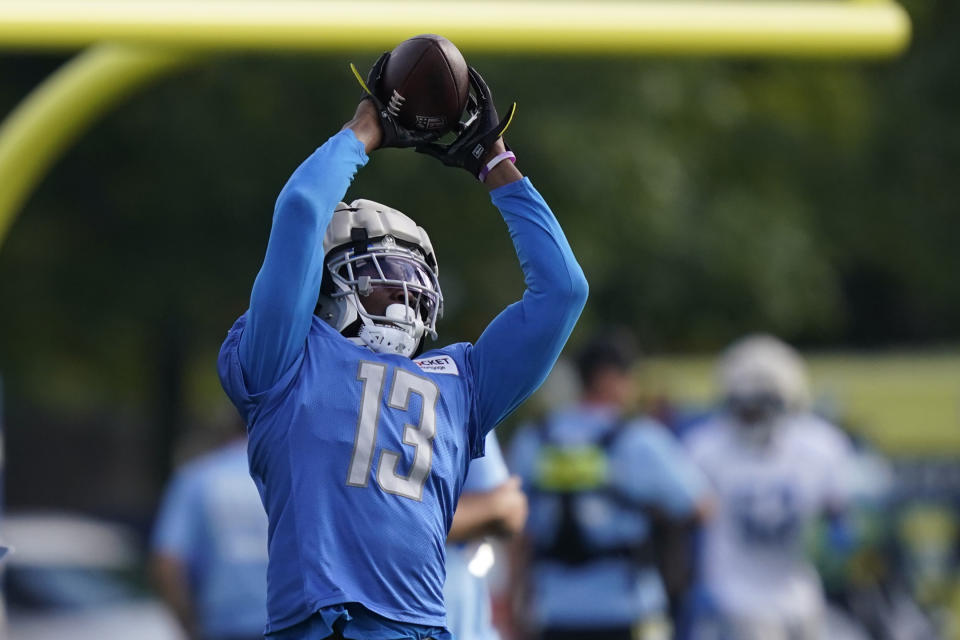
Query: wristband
<point x="497" y="159"/>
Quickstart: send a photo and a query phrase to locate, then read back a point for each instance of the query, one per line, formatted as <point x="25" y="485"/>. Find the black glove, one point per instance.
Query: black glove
<point x="482" y="128"/>
<point x="394" y="134"/>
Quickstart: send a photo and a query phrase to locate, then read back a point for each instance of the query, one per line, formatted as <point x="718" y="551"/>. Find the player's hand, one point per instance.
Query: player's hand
<point x="510" y="506"/>
<point x="477" y="136"/>
<point x="394" y="134"/>
<point x="366" y="126"/>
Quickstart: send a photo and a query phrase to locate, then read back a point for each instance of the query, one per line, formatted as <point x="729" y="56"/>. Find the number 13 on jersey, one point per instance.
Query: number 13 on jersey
<point x="420" y="435"/>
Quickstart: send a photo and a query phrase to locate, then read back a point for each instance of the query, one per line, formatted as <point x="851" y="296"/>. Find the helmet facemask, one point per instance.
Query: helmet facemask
<point x="763" y="381"/>
<point x="380" y="286"/>
<point x="414" y="291"/>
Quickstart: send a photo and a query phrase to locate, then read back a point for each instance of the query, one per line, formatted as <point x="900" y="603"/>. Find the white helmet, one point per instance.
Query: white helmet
<point x="762" y="377"/>
<point x="370" y="245"/>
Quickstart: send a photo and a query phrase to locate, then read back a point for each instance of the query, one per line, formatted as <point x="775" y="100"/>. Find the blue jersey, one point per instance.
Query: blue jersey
<point x="467" y="595"/>
<point x="212" y="522"/>
<point x="360" y="457"/>
<point x="644" y="465"/>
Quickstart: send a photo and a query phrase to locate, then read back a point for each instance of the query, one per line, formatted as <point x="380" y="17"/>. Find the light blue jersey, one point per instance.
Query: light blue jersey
<point x="359" y="456"/>
<point x="644" y="466"/>
<point x="212" y="521"/>
<point x="468" y="595"/>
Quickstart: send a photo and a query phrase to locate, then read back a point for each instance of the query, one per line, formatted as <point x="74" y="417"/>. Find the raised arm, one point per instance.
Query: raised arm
<point x="519" y="348"/>
<point x="286" y="288"/>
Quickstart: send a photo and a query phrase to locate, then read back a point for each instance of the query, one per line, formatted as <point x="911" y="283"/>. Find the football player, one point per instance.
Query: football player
<point x="602" y="482"/>
<point x="209" y="546"/>
<point x="360" y="437"/>
<point x="492" y="505"/>
<point x="775" y="467"/>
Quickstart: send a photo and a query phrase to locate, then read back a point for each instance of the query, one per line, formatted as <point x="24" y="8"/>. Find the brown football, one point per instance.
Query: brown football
<point x="425" y="83"/>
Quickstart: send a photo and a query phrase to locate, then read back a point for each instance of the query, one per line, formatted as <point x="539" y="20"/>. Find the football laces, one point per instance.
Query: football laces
<point x="396" y="102"/>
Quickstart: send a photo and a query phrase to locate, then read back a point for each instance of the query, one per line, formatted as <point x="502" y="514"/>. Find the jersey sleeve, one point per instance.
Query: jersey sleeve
<point x="286" y="288"/>
<point x="698" y="444"/>
<point x="836" y="454"/>
<point x="488" y="472"/>
<point x="519" y="347"/>
<point x="175" y="531"/>
<point x="657" y="470"/>
<point x="523" y="454"/>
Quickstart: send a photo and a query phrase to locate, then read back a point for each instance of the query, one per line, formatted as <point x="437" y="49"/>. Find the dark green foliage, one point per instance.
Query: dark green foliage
<point x="704" y="199"/>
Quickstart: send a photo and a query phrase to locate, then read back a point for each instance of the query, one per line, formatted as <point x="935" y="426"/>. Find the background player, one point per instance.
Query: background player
<point x="358" y="450"/>
<point x="492" y="504"/>
<point x="774" y="467"/>
<point x="209" y="556"/>
<point x="595" y="476"/>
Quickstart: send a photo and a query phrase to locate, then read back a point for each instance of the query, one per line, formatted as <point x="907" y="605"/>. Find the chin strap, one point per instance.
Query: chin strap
<point x="387" y="340"/>
<point x="393" y="339"/>
<point x="759" y="434"/>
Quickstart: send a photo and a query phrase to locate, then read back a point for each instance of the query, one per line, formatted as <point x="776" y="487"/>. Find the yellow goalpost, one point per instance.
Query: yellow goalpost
<point x="133" y="42"/>
<point x="750" y="27"/>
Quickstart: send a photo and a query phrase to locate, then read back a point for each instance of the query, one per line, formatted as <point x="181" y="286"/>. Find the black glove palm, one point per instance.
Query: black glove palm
<point x="394" y="134"/>
<point x="482" y="128"/>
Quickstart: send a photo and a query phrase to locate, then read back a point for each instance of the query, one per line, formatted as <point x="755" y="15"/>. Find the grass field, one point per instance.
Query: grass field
<point x="906" y="403"/>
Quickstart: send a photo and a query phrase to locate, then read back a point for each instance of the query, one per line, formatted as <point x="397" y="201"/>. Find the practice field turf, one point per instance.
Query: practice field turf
<point x="906" y="403"/>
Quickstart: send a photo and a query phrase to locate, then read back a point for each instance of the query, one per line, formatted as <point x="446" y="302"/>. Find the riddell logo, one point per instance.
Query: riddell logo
<point x="429" y="123"/>
<point x="438" y="364"/>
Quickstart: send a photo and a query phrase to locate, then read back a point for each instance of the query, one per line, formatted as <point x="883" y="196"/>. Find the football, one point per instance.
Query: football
<point x="425" y="83"/>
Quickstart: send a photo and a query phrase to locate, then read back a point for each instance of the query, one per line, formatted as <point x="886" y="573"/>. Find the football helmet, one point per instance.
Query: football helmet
<point x="370" y="246"/>
<point x="762" y="378"/>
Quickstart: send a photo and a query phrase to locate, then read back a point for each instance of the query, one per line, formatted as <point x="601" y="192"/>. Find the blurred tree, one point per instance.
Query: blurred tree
<point x="704" y="199"/>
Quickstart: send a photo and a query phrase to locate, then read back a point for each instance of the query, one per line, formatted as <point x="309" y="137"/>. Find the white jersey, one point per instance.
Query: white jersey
<point x="753" y="555"/>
